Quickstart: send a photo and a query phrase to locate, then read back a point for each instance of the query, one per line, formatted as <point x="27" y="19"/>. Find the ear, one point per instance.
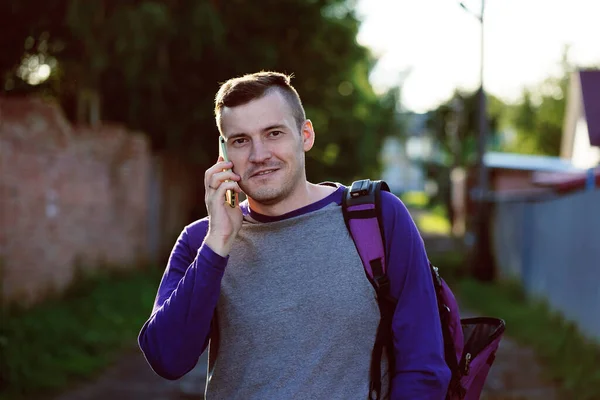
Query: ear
<point x="308" y="135"/>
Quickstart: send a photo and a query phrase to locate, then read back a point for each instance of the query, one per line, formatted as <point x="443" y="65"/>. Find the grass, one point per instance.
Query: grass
<point x="50" y="346"/>
<point x="432" y="220"/>
<point x="569" y="358"/>
<point x="431" y="223"/>
<point x="415" y="199"/>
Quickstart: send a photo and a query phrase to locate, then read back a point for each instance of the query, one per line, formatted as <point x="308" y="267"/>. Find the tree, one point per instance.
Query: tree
<point x="455" y="128"/>
<point x="155" y="66"/>
<point x="538" y="117"/>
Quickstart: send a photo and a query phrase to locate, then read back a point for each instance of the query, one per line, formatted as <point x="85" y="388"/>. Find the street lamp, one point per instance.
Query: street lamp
<point x="482" y="261"/>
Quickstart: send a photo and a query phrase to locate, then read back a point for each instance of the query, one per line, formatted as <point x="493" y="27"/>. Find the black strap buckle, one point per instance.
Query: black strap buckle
<point x="382" y="284"/>
<point x="360" y="188"/>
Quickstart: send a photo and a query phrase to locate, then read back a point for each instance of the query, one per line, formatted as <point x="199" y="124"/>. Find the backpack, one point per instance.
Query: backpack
<point x="470" y="344"/>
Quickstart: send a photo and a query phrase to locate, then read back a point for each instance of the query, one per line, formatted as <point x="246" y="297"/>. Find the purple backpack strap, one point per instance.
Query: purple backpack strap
<point x="363" y="219"/>
<point x="469" y="344"/>
<point x="362" y="215"/>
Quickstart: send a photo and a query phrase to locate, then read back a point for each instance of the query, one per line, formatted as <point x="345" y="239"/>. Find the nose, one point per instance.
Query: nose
<point x="260" y="152"/>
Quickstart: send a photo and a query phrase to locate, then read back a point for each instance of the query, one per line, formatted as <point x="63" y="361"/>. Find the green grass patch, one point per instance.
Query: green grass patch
<point x="430" y="219"/>
<point x="73" y="337"/>
<point x="415" y="199"/>
<point x="568" y="358"/>
<point x="432" y="223"/>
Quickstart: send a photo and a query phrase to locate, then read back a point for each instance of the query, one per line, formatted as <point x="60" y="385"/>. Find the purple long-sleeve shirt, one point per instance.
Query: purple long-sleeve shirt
<point x="190" y="287"/>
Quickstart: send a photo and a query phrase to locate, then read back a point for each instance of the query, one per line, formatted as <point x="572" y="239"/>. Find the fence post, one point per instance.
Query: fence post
<point x="590" y="181"/>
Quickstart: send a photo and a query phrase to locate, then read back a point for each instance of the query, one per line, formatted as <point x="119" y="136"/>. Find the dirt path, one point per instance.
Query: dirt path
<point x="515" y="375"/>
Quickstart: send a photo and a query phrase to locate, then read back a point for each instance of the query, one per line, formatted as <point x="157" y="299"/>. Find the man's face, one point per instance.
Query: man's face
<point x="266" y="148"/>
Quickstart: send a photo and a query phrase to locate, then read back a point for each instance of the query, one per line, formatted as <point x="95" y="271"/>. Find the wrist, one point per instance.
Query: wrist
<point x="218" y="244"/>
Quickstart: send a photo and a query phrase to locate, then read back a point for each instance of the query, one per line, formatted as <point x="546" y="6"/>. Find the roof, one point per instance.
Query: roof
<point x="524" y="162"/>
<point x="590" y="90"/>
<point x="563" y="182"/>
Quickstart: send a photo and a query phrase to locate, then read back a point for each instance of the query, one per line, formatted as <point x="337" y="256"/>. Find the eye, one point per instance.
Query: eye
<point x="239" y="141"/>
<point x="275" y="133"/>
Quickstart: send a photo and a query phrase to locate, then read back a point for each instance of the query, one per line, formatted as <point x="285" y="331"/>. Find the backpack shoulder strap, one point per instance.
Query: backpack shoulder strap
<point x="361" y="207"/>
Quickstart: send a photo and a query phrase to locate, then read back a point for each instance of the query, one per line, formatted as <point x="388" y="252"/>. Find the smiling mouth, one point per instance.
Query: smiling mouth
<point x="264" y="173"/>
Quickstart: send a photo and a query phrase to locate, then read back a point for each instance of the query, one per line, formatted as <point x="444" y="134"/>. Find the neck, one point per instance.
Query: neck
<point x="305" y="194"/>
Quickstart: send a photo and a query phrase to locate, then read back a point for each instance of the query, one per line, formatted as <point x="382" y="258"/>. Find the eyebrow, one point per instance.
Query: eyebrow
<point x="276" y="126"/>
<point x="268" y="128"/>
<point x="236" y="136"/>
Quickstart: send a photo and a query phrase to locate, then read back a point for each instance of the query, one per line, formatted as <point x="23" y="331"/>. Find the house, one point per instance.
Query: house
<point x="513" y="173"/>
<point x="581" y="130"/>
<point x="512" y="176"/>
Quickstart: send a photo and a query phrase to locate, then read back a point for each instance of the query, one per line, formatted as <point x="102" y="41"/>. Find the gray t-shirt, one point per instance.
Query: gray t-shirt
<point x="297" y="315"/>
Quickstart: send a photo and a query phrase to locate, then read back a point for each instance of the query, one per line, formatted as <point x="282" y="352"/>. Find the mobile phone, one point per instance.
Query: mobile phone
<point x="229" y="194"/>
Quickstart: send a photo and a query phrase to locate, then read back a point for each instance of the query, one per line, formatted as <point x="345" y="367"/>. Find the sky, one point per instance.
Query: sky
<point x="433" y="46"/>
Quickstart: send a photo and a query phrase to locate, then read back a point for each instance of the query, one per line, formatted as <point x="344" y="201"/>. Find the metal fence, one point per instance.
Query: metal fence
<point x="552" y="246"/>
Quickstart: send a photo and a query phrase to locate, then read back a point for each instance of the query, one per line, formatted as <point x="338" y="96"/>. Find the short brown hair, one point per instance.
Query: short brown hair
<point x="242" y="90"/>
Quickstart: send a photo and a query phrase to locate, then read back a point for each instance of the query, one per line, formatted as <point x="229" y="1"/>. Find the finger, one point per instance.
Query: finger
<point x="225" y="186"/>
<point x="215" y="169"/>
<point x="218" y="167"/>
<point x="220" y="177"/>
<point x="219" y="191"/>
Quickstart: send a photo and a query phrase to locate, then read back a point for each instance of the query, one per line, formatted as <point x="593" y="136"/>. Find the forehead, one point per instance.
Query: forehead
<point x="269" y="110"/>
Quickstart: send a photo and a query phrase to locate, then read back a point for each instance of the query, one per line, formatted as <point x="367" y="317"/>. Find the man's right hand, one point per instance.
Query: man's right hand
<point x="224" y="221"/>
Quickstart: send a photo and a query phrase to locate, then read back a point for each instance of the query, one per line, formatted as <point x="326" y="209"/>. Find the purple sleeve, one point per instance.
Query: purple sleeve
<point x="177" y="331"/>
<point x="421" y="371"/>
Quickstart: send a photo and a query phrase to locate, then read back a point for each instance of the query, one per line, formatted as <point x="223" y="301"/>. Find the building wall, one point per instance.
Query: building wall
<point x="505" y="180"/>
<point x="74" y="196"/>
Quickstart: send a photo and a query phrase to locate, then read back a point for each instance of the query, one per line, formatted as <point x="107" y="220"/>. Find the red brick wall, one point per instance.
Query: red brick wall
<point x="68" y="196"/>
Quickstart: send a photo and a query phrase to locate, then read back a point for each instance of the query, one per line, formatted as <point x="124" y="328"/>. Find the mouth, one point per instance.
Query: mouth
<point x="264" y="172"/>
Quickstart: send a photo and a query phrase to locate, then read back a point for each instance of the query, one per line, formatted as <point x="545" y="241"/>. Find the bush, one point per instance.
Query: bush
<point x="74" y="336"/>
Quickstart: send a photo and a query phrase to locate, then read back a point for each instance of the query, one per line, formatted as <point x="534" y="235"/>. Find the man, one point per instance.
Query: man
<point x="297" y="317"/>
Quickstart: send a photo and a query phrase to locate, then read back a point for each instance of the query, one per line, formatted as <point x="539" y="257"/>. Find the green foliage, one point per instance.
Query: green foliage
<point x="539" y="127"/>
<point x="157" y="64"/>
<point x="455" y="126"/>
<point x="430" y="223"/>
<point x="73" y="337"/>
<point x="418" y="200"/>
<point x="538" y="117"/>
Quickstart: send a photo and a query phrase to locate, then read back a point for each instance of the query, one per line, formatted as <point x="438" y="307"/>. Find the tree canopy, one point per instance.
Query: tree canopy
<point x="455" y="127"/>
<point x="155" y="66"/>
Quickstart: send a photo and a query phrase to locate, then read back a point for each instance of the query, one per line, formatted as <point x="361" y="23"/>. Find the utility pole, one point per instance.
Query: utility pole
<point x="481" y="260"/>
<point x="483" y="122"/>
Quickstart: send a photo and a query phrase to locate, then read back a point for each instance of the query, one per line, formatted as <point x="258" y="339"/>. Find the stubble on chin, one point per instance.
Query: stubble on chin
<point x="266" y="195"/>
